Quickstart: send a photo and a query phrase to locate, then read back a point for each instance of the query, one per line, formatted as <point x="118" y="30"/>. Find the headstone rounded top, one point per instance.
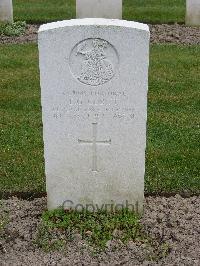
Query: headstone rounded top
<point x="93" y="22"/>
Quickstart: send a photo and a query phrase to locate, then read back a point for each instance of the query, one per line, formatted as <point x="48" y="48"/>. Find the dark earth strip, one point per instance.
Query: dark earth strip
<point x="34" y="194"/>
<point x="172" y="222"/>
<point x="164" y="33"/>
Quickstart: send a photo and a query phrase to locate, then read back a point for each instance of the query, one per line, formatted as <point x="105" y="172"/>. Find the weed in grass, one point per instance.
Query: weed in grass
<point x="48" y="241"/>
<point x="161" y="250"/>
<point x="96" y="232"/>
<point x="96" y="228"/>
<point x="13" y="29"/>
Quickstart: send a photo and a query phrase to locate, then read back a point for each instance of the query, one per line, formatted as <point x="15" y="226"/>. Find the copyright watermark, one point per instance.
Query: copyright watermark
<point x="108" y="207"/>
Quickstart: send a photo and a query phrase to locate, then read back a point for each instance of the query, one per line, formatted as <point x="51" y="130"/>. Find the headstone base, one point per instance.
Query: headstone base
<point x="193" y="12"/>
<point x="6" y="11"/>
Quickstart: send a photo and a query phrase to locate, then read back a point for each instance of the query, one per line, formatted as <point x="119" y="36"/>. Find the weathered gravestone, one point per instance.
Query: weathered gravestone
<point x="6" y="11"/>
<point x="193" y="12"/>
<point x="99" y="9"/>
<point x="94" y="80"/>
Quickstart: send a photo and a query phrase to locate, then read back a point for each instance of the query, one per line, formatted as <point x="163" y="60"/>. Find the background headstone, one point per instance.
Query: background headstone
<point x="99" y="9"/>
<point x="6" y="11"/>
<point x="94" y="81"/>
<point x="193" y="12"/>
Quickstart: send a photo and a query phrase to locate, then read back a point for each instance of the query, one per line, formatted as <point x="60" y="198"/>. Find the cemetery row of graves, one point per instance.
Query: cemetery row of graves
<point x="151" y="11"/>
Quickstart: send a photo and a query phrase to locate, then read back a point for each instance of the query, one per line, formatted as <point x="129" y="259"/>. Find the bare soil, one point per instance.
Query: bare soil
<point x="173" y="222"/>
<point x="30" y="35"/>
<point x="164" y="33"/>
<point x="177" y="34"/>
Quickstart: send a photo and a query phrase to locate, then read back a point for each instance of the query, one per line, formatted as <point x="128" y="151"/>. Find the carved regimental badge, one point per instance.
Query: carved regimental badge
<point x="93" y="61"/>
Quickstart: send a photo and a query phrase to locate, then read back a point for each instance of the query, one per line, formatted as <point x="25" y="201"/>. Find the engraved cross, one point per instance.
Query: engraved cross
<point x="94" y="143"/>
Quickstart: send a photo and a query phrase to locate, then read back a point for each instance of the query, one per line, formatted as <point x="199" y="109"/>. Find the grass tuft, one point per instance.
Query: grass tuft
<point x="96" y="228"/>
<point x="97" y="232"/>
<point x="13" y="29"/>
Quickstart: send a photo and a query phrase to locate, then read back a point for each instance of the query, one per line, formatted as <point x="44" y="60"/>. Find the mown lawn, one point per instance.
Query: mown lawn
<point x="173" y="120"/>
<point x="151" y="11"/>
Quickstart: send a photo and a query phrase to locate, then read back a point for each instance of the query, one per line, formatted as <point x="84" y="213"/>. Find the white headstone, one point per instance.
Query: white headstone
<point x="99" y="9"/>
<point x="6" y="11"/>
<point x="193" y="12"/>
<point x="94" y="81"/>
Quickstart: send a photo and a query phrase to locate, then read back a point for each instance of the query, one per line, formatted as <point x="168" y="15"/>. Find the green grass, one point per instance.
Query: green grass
<point x="174" y="120"/>
<point x="151" y="11"/>
<point x="97" y="228"/>
<point x="154" y="11"/>
<point x="173" y="152"/>
<point x="21" y="134"/>
<point x="39" y="11"/>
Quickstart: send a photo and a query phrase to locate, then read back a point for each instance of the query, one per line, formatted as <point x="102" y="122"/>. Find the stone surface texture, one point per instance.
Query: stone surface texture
<point x="99" y="9"/>
<point x="94" y="81"/>
<point x="193" y="12"/>
<point x="6" y="11"/>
